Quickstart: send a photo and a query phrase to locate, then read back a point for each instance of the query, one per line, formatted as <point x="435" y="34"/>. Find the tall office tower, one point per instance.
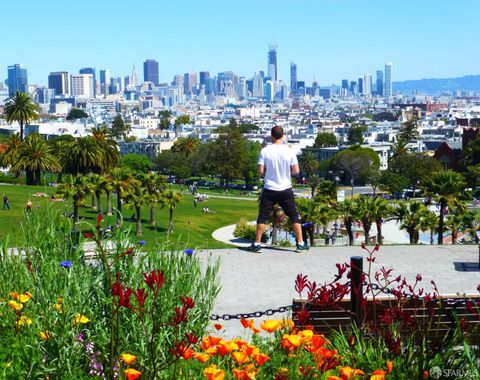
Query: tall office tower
<point x="44" y="95"/>
<point x="379" y="83"/>
<point x="269" y="91"/>
<point x="315" y="88"/>
<point x="388" y="80"/>
<point x="189" y="83"/>
<point x="241" y="88"/>
<point x="90" y="70"/>
<point x="104" y="81"/>
<point x="211" y="86"/>
<point x="204" y="75"/>
<point x="353" y="87"/>
<point x="177" y="80"/>
<point x="293" y="78"/>
<point x="119" y="84"/>
<point x="367" y="84"/>
<point x="60" y="82"/>
<point x="82" y="85"/>
<point x="257" y="91"/>
<point x="272" y="62"/>
<point x="126" y="81"/>
<point x="134" y="77"/>
<point x="17" y="79"/>
<point x="344" y="90"/>
<point x="360" y="85"/>
<point x="150" y="71"/>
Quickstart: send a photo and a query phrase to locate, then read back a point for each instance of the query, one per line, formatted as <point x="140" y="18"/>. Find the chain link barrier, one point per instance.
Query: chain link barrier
<point x="255" y="314"/>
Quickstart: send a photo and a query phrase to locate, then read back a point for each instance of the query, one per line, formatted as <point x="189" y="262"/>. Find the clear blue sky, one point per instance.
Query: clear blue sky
<point x="328" y="39"/>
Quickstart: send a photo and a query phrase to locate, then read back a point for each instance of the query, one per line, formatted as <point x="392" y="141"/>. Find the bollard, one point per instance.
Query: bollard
<point x="356" y="290"/>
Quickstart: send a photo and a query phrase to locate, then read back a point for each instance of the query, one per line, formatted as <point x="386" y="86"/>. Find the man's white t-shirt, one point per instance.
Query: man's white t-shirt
<point x="278" y="160"/>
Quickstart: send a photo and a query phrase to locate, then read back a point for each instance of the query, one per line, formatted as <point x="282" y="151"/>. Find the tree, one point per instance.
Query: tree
<point x="22" y="109"/>
<point x="365" y="210"/>
<point x="459" y="220"/>
<point x="357" y="163"/>
<point x="309" y="211"/>
<point x="391" y="182"/>
<point x="76" y="113"/>
<point x="413" y="216"/>
<point x="472" y="152"/>
<point x="170" y="199"/>
<point x="77" y="188"/>
<point x="9" y="150"/>
<point x="380" y="210"/>
<point x="409" y="131"/>
<point x="120" y="181"/>
<point x="447" y="187"/>
<point x="202" y="161"/>
<point x="181" y="120"/>
<point x="250" y="169"/>
<point x="325" y="139"/>
<point x="185" y="145"/>
<point x="247" y="128"/>
<point x="110" y="156"/>
<point x="108" y="187"/>
<point x="137" y="163"/>
<point x="308" y="163"/>
<point x="83" y="156"/>
<point x="119" y="128"/>
<point x="355" y="134"/>
<point x="415" y="167"/>
<point x="164" y="119"/>
<point x="97" y="185"/>
<point x="155" y="185"/>
<point x="136" y="196"/>
<point x="348" y="211"/>
<point x="35" y="156"/>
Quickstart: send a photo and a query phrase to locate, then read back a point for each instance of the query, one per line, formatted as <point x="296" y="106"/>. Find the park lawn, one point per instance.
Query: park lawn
<point x="193" y="228"/>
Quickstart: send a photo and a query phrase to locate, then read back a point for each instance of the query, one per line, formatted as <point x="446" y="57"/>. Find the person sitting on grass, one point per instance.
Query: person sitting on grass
<point x="206" y="211"/>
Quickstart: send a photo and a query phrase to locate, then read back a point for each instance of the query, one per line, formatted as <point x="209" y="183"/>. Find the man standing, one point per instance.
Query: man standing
<point x="5" y="202"/>
<point x="278" y="163"/>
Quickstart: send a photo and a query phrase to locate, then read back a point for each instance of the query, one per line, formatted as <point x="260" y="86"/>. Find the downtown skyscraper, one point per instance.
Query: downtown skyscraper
<point x="293" y="78"/>
<point x="60" y="82"/>
<point x="388" y="81"/>
<point x="17" y="79"/>
<point x="150" y="71"/>
<point x="272" y="62"/>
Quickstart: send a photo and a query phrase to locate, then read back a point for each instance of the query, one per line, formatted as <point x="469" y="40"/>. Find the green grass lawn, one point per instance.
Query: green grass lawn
<point x="192" y="226"/>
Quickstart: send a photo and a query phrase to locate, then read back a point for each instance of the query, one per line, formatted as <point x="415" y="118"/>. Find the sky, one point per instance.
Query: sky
<point x="329" y="40"/>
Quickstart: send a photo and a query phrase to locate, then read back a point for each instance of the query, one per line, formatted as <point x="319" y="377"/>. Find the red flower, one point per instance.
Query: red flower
<point x="141" y="297"/>
<point x="187" y="302"/>
<point x="180" y="315"/>
<point x="300" y="283"/>
<point x="191" y="338"/>
<point x="99" y="220"/>
<point x="303" y="316"/>
<point x="29" y="265"/>
<point x="88" y="235"/>
<point x="182" y="350"/>
<point x="154" y="280"/>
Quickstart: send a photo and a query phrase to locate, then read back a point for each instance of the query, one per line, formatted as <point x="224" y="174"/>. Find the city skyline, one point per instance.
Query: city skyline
<point x="327" y="42"/>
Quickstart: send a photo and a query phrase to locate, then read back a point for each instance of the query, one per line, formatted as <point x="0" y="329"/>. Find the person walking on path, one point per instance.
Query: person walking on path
<point x="5" y="202"/>
<point x="278" y="163"/>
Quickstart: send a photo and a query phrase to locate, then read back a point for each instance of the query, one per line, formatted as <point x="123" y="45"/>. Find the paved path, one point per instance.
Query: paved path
<point x="255" y="282"/>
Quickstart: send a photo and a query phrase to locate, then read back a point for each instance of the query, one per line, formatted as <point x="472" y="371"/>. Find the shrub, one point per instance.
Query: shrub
<point x="247" y="231"/>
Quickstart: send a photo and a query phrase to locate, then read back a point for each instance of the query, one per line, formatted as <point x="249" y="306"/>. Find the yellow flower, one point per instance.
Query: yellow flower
<point x="15" y="305"/>
<point x="132" y="374"/>
<point x="271" y="325"/>
<point x="24" y="321"/>
<point x="25" y="297"/>
<point x="45" y="335"/>
<point x="128" y="358"/>
<point x="80" y="319"/>
<point x="213" y="373"/>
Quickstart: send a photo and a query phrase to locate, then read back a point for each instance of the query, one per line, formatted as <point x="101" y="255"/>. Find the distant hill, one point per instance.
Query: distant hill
<point x="438" y="86"/>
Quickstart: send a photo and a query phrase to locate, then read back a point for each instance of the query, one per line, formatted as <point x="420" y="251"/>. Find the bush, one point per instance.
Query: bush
<point x="8" y="178"/>
<point x="284" y="243"/>
<point x="247" y="231"/>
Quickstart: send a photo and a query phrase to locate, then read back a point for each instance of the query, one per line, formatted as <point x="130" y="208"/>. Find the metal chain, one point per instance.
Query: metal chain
<point x="255" y="314"/>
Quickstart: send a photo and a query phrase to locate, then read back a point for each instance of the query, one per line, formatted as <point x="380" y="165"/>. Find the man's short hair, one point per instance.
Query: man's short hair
<point x="277" y="132"/>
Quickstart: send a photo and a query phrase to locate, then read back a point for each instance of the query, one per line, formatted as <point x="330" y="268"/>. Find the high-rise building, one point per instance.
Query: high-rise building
<point x="353" y="87"/>
<point x="269" y="91"/>
<point x="257" y="90"/>
<point x="150" y="71"/>
<point x="134" y="77"/>
<point x="189" y="83"/>
<point x="17" y="79"/>
<point x="44" y="95"/>
<point x="379" y="83"/>
<point x="82" y="85"/>
<point x="60" y="82"/>
<point x="204" y="75"/>
<point x="90" y="70"/>
<point x="293" y="77"/>
<point x="388" y="80"/>
<point x="272" y="62"/>
<point x="367" y="84"/>
<point x="360" y="85"/>
<point x="177" y="80"/>
<point x="104" y="81"/>
<point x="126" y="81"/>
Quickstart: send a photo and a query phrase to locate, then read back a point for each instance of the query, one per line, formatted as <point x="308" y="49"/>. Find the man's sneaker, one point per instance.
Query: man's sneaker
<point x="255" y="247"/>
<point x="302" y="247"/>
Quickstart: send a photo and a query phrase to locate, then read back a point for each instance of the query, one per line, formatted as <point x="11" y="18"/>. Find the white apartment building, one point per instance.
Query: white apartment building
<point x="82" y="85"/>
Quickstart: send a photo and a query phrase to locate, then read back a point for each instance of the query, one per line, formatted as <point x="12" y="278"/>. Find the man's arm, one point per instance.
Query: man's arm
<point x="261" y="170"/>
<point x="295" y="169"/>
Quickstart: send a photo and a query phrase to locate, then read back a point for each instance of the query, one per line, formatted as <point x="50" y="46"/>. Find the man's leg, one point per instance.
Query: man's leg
<point x="259" y="233"/>
<point x="287" y="203"/>
<point x="264" y="209"/>
<point x="297" y="230"/>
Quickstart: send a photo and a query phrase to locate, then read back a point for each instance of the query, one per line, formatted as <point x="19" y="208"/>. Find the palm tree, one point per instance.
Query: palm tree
<point x="459" y="220"/>
<point x="185" y="145"/>
<point x="35" y="156"/>
<point x="84" y="156"/>
<point x="77" y="188"/>
<point x="446" y="187"/>
<point x="108" y="146"/>
<point x="22" y="109"/>
<point x="137" y="195"/>
<point x="108" y="188"/>
<point x="9" y="150"/>
<point x="413" y="216"/>
<point x="120" y="181"/>
<point x="170" y="199"/>
<point x="97" y="185"/>
<point x="365" y="211"/>
<point x="308" y="163"/>
<point x="154" y="184"/>
<point x="380" y="209"/>
<point x="348" y="211"/>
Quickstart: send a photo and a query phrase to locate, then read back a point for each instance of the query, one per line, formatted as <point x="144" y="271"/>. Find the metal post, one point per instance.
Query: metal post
<point x="356" y="290"/>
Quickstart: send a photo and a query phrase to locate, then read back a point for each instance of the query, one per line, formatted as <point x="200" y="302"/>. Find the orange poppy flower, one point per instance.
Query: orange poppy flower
<point x="244" y="374"/>
<point x="271" y="325"/>
<point x="188" y="354"/>
<point x="218" y="326"/>
<point x="202" y="358"/>
<point x="334" y="378"/>
<point x="240" y="357"/>
<point x="260" y="358"/>
<point x="224" y="347"/>
<point x="291" y="342"/>
<point x="128" y="358"/>
<point x="247" y="323"/>
<point x="213" y="373"/>
<point x="209" y="341"/>
<point x="132" y="373"/>
<point x="350" y="373"/>
<point x="378" y="374"/>
<point x="389" y="366"/>
<point x="426" y="374"/>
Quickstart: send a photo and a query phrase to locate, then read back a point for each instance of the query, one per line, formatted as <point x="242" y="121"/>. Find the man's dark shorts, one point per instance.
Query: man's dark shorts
<point x="284" y="198"/>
